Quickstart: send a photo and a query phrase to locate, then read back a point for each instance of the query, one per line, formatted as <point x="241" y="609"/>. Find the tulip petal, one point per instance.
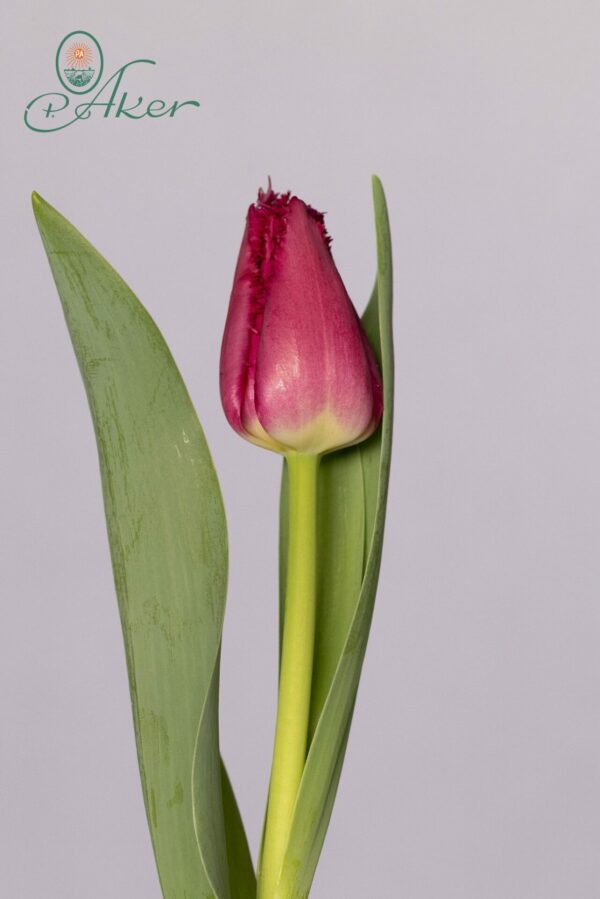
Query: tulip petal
<point x="313" y="378"/>
<point x="236" y="378"/>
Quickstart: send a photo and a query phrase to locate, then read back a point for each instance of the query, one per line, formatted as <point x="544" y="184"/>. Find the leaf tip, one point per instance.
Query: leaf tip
<point x="40" y="206"/>
<point x="378" y="191"/>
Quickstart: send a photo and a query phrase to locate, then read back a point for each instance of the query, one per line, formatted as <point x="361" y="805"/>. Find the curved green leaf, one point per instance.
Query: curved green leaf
<point x="168" y="543"/>
<point x="353" y="488"/>
<point x="242" y="879"/>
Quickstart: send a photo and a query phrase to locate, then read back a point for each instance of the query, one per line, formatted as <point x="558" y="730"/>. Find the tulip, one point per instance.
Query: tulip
<point x="297" y="376"/>
<point x="297" y="373"/>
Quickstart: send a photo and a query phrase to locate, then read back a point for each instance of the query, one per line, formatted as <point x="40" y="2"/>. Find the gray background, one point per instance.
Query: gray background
<point x="472" y="770"/>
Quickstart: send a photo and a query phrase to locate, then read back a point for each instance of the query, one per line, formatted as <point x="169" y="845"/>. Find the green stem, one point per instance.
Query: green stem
<point x="295" y="675"/>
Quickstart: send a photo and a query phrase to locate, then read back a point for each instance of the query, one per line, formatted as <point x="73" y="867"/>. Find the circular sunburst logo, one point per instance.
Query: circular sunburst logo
<point x="79" y="62"/>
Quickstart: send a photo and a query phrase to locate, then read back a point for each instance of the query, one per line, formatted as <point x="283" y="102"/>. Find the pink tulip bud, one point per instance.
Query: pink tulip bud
<point x="297" y="371"/>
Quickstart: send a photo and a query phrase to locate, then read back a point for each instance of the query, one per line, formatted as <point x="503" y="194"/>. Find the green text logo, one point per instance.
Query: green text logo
<point x="79" y="67"/>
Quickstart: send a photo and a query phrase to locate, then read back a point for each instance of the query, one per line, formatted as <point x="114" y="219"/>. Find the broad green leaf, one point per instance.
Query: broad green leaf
<point x="168" y="543"/>
<point x="352" y="497"/>
<point x="340" y="561"/>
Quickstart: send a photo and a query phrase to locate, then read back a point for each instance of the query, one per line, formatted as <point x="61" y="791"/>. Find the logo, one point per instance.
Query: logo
<point x="79" y="62"/>
<point x="80" y="69"/>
